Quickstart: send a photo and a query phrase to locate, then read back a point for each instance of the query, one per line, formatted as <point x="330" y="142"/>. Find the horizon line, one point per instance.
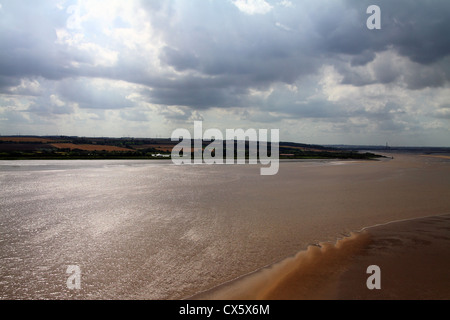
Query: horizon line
<point x="386" y="146"/>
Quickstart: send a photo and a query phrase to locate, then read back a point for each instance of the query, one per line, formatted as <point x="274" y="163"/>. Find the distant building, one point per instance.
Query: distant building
<point x="159" y="155"/>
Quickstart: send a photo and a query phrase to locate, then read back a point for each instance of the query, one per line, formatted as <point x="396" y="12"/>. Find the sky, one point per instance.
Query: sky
<point x="310" y="68"/>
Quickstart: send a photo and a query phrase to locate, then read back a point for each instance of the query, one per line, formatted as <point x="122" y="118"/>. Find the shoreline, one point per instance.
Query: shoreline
<point x="338" y="271"/>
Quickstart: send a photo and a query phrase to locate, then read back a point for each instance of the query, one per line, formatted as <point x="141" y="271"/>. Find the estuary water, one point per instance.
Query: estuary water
<point x="154" y="230"/>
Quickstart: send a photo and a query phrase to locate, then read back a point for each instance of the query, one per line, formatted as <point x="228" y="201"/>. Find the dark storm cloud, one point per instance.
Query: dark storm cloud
<point x="216" y="39"/>
<point x="250" y="51"/>
<point x="419" y="28"/>
<point x="416" y="29"/>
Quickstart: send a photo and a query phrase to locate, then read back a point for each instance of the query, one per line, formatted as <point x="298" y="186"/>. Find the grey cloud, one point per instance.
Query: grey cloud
<point x="382" y="71"/>
<point x="134" y="115"/>
<point x="254" y="52"/>
<point x="417" y="29"/>
<point x="316" y="109"/>
<point x="44" y="108"/>
<point x="28" y="39"/>
<point x="429" y="76"/>
<point x="291" y="105"/>
<point x="263" y="117"/>
<point x="180" y="114"/>
<point x="193" y="94"/>
<point x="363" y="58"/>
<point x="221" y="55"/>
<point x="443" y="112"/>
<point x="239" y="51"/>
<point x="7" y="82"/>
<point x="387" y="70"/>
<point x="180" y="60"/>
<point x="92" y="97"/>
<point x="216" y="39"/>
<point x="13" y="116"/>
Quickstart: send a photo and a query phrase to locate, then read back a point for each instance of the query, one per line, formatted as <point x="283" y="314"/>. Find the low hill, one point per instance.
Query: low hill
<point x="66" y="147"/>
